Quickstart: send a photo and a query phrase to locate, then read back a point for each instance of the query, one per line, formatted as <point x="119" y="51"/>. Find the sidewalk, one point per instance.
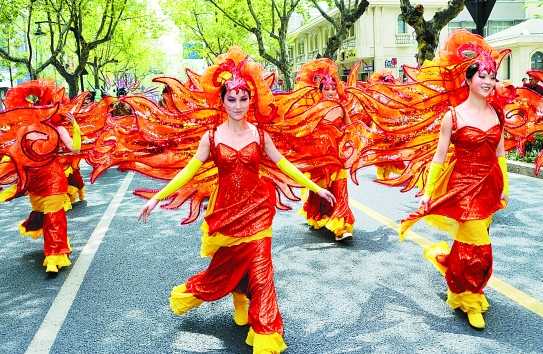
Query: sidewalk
<point x="522" y="168"/>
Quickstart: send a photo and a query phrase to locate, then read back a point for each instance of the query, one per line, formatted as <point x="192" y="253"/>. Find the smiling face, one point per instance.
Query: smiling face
<point x="329" y="92"/>
<point x="236" y="103"/>
<point x="482" y="83"/>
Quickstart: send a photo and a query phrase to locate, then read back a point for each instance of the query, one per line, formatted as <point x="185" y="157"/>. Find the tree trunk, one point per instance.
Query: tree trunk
<point x="96" y="74"/>
<point x="428" y="42"/>
<point x="287" y="74"/>
<point x="427" y="31"/>
<point x="73" y="85"/>
<point x="31" y="71"/>
<point x="332" y="46"/>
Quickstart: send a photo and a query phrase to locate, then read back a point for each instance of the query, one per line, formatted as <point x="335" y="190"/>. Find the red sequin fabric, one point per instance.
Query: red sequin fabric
<point x="47" y="180"/>
<point x="245" y="201"/>
<point x="476" y="182"/>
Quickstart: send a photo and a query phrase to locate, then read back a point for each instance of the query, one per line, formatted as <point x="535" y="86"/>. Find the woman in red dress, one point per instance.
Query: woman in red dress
<point x="237" y="226"/>
<point x="325" y="140"/>
<point x="41" y="137"/>
<point x="462" y="197"/>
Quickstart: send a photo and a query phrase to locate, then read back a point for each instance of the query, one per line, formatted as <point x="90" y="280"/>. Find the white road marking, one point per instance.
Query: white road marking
<point x="47" y="333"/>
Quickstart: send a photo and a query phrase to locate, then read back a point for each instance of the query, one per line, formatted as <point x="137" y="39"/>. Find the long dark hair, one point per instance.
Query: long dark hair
<point x="472" y="70"/>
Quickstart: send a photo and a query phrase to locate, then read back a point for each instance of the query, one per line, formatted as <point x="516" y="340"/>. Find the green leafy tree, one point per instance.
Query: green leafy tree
<point x="427" y="32"/>
<point x="132" y="49"/>
<point x="18" y="19"/>
<point x="267" y="22"/>
<point x="342" y="21"/>
<point x="201" y="22"/>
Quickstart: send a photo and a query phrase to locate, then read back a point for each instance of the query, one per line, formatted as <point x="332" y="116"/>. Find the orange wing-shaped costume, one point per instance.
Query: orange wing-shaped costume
<point x="158" y="141"/>
<point x="409" y="118"/>
<point x="32" y="108"/>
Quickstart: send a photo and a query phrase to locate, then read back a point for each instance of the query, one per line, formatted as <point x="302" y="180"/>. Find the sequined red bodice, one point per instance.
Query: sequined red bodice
<point x="47" y="180"/>
<point x="238" y="171"/>
<point x="475" y="149"/>
<point x="244" y="202"/>
<point x="475" y="184"/>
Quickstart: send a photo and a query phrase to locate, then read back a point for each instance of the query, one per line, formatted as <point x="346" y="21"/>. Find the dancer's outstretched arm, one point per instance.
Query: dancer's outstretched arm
<point x="73" y="144"/>
<point x="183" y="177"/>
<point x="290" y="170"/>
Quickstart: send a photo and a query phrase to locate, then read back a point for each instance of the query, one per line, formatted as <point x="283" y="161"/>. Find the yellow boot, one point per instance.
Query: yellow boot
<point x="476" y="319"/>
<point x="241" y="309"/>
<point x="54" y="262"/>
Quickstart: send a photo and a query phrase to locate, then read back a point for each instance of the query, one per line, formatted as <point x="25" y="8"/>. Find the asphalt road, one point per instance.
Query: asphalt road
<point x="373" y="295"/>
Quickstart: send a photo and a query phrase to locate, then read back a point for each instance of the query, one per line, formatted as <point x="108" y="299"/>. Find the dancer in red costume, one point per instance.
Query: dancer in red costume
<point x="469" y="191"/>
<point x="454" y="99"/>
<point x="36" y="124"/>
<point x="325" y="140"/>
<point x="466" y="186"/>
<point x="384" y="169"/>
<point x="237" y="227"/>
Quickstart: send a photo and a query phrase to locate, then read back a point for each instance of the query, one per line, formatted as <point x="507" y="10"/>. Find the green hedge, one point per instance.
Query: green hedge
<point x="532" y="149"/>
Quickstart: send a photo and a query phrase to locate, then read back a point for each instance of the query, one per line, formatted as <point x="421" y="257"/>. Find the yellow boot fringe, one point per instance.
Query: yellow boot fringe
<point x="436" y="249"/>
<point x="54" y="262"/>
<point x="271" y="343"/>
<point x="35" y="234"/>
<point x="241" y="309"/>
<point x="336" y="225"/>
<point x="468" y="301"/>
<point x="182" y="301"/>
<point x="76" y="194"/>
<point x="8" y="193"/>
<point x="81" y="194"/>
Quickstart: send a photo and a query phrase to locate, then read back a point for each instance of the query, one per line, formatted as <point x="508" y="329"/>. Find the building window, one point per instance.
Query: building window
<point x="537" y="61"/>
<point x="497" y="26"/>
<point x="402" y="27"/>
<point x="300" y="48"/>
<point x="507" y="69"/>
<point x="469" y="25"/>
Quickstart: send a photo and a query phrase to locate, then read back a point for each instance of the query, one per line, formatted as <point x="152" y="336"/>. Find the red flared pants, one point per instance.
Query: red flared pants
<point x="469" y="267"/>
<point x="245" y="268"/>
<point x="55" y="230"/>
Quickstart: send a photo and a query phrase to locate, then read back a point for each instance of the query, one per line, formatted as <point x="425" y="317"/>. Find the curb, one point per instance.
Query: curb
<point x="522" y="168"/>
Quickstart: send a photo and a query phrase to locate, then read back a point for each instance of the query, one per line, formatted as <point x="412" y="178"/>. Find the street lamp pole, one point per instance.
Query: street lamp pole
<point x="39" y="32"/>
<point x="480" y="11"/>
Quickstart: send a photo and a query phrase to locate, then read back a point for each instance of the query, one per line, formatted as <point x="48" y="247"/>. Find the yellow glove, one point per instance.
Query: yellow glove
<point x="433" y="175"/>
<point x="8" y="193"/>
<point x="182" y="178"/>
<point x="503" y="167"/>
<point x="297" y="175"/>
<point x="76" y="136"/>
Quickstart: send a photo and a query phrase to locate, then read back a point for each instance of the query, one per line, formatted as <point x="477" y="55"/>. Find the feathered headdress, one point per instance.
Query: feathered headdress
<point x="383" y="76"/>
<point x="318" y="71"/>
<point x="34" y="93"/>
<point x="237" y="71"/>
<point x="464" y="46"/>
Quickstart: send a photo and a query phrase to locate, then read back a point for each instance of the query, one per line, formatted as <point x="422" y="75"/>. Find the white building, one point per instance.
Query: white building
<point x="526" y="43"/>
<point x="382" y="39"/>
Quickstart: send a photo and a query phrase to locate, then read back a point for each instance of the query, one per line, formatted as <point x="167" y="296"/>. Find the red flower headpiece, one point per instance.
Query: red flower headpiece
<point x="34" y="93"/>
<point x="463" y="46"/>
<point x="482" y="57"/>
<point x="382" y="76"/>
<point x="236" y="71"/>
<point x="320" y="71"/>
